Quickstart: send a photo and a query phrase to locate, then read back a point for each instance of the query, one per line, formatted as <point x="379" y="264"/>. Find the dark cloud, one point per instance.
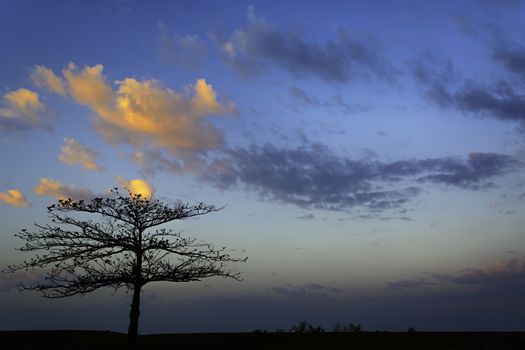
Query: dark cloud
<point x="334" y="104"/>
<point x="312" y="176"/>
<point x="505" y="271"/>
<point x="512" y="59"/>
<point x="252" y="49"/>
<point x="500" y="99"/>
<point x="504" y="277"/>
<point x="12" y="125"/>
<point x="10" y="281"/>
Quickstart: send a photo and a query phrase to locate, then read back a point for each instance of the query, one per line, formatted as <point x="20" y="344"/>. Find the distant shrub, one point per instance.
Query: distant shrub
<point x="350" y="328"/>
<point x="305" y="327"/>
<point x="259" y="331"/>
<point x="280" y="330"/>
<point x="411" y="330"/>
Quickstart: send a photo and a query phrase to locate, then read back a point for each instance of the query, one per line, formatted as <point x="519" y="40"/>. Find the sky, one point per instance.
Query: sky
<point x="369" y="155"/>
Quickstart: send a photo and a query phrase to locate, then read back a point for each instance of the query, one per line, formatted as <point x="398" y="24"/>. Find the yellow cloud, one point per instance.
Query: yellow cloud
<point x="14" y="198"/>
<point x="89" y="87"/>
<point x="54" y="188"/>
<point x="145" y="113"/>
<point x="23" y="105"/>
<point x="44" y="77"/>
<point x="137" y="186"/>
<point x="73" y="152"/>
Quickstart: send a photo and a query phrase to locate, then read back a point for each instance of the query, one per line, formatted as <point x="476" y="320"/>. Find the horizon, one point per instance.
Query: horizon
<point x="370" y="157"/>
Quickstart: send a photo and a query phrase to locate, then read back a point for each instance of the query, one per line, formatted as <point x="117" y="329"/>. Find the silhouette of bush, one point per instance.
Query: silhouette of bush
<point x="305" y="327"/>
<point x="350" y="328"/>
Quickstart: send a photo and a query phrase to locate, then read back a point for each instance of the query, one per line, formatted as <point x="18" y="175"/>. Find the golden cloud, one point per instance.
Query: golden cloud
<point x="137" y="186"/>
<point x="23" y="105"/>
<point x="73" y="152"/>
<point x="14" y="198"/>
<point x="54" y="188"/>
<point x="89" y="87"/>
<point x="145" y="113"/>
<point x="45" y="78"/>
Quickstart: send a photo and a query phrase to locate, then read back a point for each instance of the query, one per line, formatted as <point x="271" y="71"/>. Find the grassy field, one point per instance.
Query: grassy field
<point x="364" y="340"/>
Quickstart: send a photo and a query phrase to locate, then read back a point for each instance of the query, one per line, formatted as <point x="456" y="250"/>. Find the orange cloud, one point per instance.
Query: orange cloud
<point x="14" y="198"/>
<point x="145" y="113"/>
<point x="73" y="152"/>
<point x="45" y="78"/>
<point x="24" y="106"/>
<point x="137" y="186"/>
<point x="54" y="188"/>
<point x="89" y="87"/>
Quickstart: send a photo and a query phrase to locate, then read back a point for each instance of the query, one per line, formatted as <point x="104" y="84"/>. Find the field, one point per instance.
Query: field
<point x="363" y="340"/>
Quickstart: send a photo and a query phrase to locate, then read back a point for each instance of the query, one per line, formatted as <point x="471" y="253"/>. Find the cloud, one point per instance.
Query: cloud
<point x="335" y="104"/>
<point x="512" y="59"/>
<point x="137" y="186"/>
<point x="9" y="281"/>
<point x="22" y="110"/>
<point x="73" y="152"/>
<point x="14" y="198"/>
<point x="410" y="284"/>
<point x="312" y="176"/>
<point x="500" y="99"/>
<point x="308" y="216"/>
<point x="150" y="161"/>
<point x="54" y="188"/>
<point x="187" y="50"/>
<point x="503" y="277"/>
<point x="45" y="78"/>
<point x="146" y="114"/>
<point x="252" y="49"/>
<point x="503" y="271"/>
<point x="308" y="290"/>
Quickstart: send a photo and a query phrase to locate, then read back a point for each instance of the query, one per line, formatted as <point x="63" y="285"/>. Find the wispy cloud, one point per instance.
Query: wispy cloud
<point x="307" y="216"/>
<point x="334" y="104"/>
<point x="186" y="49"/>
<point x="45" y="78"/>
<point x="503" y="276"/>
<point x="308" y="290"/>
<point x="14" y="198"/>
<point x="255" y="47"/>
<point x="74" y="152"/>
<point x="54" y="188"/>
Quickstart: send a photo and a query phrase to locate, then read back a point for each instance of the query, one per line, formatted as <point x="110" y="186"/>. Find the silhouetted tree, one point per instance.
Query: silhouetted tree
<point x="119" y="250"/>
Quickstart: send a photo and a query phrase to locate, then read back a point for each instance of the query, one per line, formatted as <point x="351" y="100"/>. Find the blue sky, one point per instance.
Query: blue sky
<point x="370" y="154"/>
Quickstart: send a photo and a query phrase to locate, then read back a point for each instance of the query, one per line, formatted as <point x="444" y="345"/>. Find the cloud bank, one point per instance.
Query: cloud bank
<point x="312" y="176"/>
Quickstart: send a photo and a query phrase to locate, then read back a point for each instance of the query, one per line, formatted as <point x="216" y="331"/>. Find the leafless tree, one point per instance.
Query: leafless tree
<point x="119" y="249"/>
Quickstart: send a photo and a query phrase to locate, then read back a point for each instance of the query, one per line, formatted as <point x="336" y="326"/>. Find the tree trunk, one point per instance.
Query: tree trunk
<point x="134" y="316"/>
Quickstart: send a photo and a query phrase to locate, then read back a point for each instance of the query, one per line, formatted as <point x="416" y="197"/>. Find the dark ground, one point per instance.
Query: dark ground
<point x="364" y="340"/>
